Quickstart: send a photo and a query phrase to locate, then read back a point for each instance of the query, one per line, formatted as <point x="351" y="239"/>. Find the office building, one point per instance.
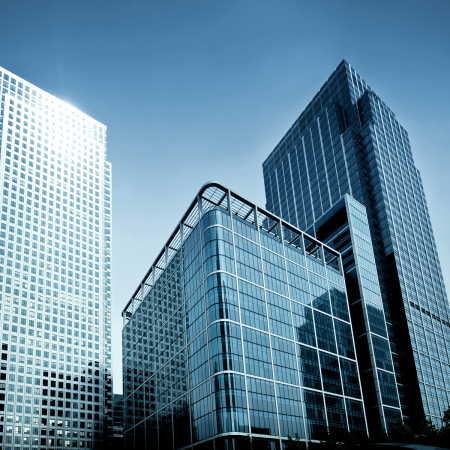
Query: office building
<point x="347" y="141"/>
<point x="55" y="277"/>
<point x="240" y="329"/>
<point x="345" y="228"/>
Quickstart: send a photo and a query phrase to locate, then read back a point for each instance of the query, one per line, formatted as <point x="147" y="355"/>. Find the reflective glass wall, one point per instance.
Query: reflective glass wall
<point x="241" y="328"/>
<point x="347" y="141"/>
<point x="345" y="228"/>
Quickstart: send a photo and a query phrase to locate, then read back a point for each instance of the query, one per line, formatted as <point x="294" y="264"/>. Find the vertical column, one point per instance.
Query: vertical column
<point x="166" y="254"/>
<point x="153" y="274"/>
<point x="255" y="217"/>
<point x="302" y="244"/>
<point x="181" y="234"/>
<point x="280" y="230"/>
<point x="199" y="206"/>
<point x="322" y="255"/>
<point x="229" y="203"/>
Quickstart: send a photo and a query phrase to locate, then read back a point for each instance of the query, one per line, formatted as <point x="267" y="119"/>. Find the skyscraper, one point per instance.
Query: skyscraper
<point x="55" y="282"/>
<point x="347" y="141"/>
<point x="239" y="329"/>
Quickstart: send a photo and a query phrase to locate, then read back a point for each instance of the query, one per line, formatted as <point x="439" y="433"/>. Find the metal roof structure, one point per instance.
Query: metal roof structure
<point x="215" y="195"/>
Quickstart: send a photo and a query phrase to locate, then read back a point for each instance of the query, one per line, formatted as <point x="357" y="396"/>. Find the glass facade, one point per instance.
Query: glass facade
<point x="55" y="281"/>
<point x="345" y="228"/>
<point x="240" y="328"/>
<point x="347" y="141"/>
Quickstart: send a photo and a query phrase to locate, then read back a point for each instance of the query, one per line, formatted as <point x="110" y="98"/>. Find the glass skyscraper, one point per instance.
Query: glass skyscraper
<point x="55" y="272"/>
<point x="239" y="329"/>
<point x="347" y="141"/>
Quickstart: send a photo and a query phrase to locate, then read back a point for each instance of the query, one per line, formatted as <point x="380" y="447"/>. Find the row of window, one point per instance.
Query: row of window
<point x="95" y="128"/>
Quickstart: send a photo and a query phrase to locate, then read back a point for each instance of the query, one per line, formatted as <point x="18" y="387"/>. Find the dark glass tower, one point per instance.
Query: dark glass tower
<point x="347" y="141"/>
<point x="345" y="228"/>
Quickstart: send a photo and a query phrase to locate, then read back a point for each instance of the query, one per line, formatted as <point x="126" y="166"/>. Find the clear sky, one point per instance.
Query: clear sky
<point x="193" y="91"/>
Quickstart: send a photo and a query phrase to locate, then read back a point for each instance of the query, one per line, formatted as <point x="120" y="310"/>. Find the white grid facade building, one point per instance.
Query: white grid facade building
<point x="55" y="272"/>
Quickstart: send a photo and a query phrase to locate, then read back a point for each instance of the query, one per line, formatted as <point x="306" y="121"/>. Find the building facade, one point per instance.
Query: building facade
<point x="240" y="329"/>
<point x="347" y="141"/>
<point x="55" y="272"/>
<point x="345" y="227"/>
<point x="117" y="421"/>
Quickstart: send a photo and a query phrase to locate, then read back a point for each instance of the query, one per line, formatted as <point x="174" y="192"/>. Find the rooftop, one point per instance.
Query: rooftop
<point x="214" y="195"/>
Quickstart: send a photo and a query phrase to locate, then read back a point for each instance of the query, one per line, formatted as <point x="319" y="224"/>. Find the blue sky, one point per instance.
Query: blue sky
<point x="193" y="91"/>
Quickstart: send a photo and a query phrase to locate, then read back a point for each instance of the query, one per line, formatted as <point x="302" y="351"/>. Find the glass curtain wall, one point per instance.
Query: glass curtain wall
<point x="347" y="141"/>
<point x="241" y="328"/>
<point x="345" y="228"/>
